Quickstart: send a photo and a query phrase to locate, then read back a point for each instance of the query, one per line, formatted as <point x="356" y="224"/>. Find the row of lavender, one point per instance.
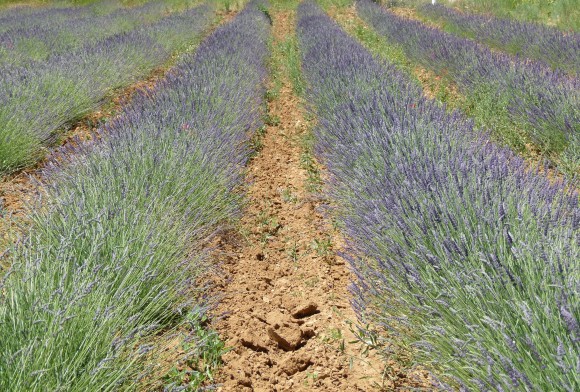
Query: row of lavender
<point x="38" y="99"/>
<point x="521" y="101"/>
<point x="529" y="40"/>
<point x="40" y="37"/>
<point x="460" y="253"/>
<point x="114" y="258"/>
<point x="24" y="15"/>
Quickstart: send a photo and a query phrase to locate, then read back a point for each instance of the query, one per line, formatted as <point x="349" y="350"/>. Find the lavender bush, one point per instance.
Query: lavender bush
<point x="41" y="97"/>
<point x="521" y="101"/>
<point x="526" y="39"/>
<point x="114" y="258"/>
<point x="460" y="253"/>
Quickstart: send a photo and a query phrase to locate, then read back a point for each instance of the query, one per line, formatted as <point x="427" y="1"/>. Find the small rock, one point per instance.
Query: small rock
<point x="232" y="342"/>
<point x="323" y="375"/>
<point x="305" y="310"/>
<point x="307" y="333"/>
<point x="298" y="362"/>
<point x="310" y="323"/>
<point x="277" y="319"/>
<point x="245" y="381"/>
<point x="254" y="343"/>
<point x="287" y="338"/>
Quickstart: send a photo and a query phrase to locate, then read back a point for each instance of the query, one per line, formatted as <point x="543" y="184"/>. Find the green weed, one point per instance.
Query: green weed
<point x="204" y="350"/>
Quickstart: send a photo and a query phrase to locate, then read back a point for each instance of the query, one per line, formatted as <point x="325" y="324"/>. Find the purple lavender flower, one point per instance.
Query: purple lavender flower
<point x="446" y="231"/>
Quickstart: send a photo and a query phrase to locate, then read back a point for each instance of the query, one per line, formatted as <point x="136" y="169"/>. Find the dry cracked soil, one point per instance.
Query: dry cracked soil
<point x="285" y="310"/>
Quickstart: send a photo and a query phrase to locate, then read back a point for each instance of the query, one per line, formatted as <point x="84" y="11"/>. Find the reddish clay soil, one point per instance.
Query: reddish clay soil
<point x="285" y="311"/>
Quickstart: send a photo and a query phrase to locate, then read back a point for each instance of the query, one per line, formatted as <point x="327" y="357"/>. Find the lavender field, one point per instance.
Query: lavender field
<point x="459" y="252"/>
<point x="530" y="102"/>
<point x="529" y="40"/>
<point x="108" y="261"/>
<point x="50" y="76"/>
<point x="456" y="254"/>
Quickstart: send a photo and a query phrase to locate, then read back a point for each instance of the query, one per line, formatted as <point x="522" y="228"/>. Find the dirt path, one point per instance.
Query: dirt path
<point x="285" y="304"/>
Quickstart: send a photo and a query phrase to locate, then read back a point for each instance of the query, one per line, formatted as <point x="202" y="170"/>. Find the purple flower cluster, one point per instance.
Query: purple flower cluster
<point x="529" y="40"/>
<point x="115" y="257"/>
<point x="540" y="102"/>
<point x="458" y="250"/>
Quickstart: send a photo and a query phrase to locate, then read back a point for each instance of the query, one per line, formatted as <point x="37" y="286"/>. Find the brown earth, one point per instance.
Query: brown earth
<point x="285" y="308"/>
<point x="411" y="13"/>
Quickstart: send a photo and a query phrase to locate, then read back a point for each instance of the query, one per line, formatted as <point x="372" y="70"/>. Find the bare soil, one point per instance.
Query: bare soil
<point x="411" y="13"/>
<point x="285" y="310"/>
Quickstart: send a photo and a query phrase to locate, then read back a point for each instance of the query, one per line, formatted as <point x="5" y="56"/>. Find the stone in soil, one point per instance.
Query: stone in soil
<point x="296" y="362"/>
<point x="286" y="332"/>
<point x="305" y="310"/>
<point x="253" y="342"/>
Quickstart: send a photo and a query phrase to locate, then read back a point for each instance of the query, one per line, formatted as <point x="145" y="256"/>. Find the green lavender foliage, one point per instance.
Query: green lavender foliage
<point x="565" y="14"/>
<point x="463" y="258"/>
<point x="38" y="99"/>
<point x="114" y="257"/>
